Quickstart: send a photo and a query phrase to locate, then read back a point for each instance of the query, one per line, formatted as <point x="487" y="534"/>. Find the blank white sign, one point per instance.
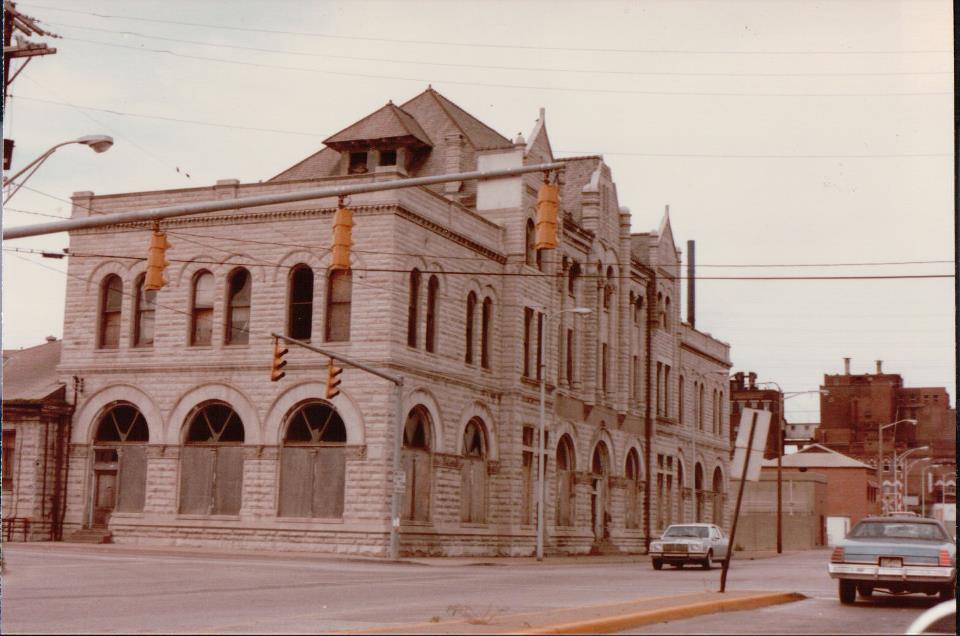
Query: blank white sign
<point x="759" y="443"/>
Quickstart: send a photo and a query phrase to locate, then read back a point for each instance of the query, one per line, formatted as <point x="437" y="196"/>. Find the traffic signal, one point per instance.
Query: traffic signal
<point x="333" y="380"/>
<point x="156" y="260"/>
<point x="342" y="230"/>
<point x="278" y="362"/>
<point x="547" y="201"/>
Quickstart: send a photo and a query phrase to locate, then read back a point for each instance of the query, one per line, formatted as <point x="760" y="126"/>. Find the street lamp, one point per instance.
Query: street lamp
<point x="541" y="486"/>
<point x="880" y="428"/>
<point x="906" y="473"/>
<point x="897" y="471"/>
<point x="923" y="487"/>
<point x="99" y="143"/>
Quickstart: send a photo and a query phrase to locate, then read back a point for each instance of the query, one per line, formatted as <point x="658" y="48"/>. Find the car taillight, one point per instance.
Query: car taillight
<point x="944" y="558"/>
<point x="837" y="556"/>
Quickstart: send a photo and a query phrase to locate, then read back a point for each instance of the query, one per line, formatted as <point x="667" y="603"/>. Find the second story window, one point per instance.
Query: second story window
<point x="431" y="339"/>
<point x="111" y="301"/>
<point x="143" y="316"/>
<point x="471" y="314"/>
<point x="300" y="317"/>
<point x="339" y="301"/>
<point x="201" y="313"/>
<point x="530" y="254"/>
<point x="238" y="307"/>
<point x="413" y="307"/>
<point x="485" y="320"/>
<point x="527" y="326"/>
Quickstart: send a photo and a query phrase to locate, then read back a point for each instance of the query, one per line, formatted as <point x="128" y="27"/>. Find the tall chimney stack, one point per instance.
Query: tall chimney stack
<point x="691" y="286"/>
<point x="846" y="366"/>
<point x="752" y="378"/>
<point x="879" y="367"/>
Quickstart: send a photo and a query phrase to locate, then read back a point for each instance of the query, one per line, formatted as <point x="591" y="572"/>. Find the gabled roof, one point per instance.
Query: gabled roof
<point x="389" y="122"/>
<point x="816" y="456"/>
<point x="477" y="133"/>
<point x="31" y="374"/>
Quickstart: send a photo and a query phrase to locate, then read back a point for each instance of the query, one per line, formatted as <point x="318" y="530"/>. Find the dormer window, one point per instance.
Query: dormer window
<point x="388" y="157"/>
<point x="358" y="163"/>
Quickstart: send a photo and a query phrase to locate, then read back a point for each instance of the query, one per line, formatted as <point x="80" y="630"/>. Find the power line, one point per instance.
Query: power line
<point x="574" y="152"/>
<point x="488" y="44"/>
<point x="52" y="216"/>
<point x="537" y="69"/>
<point x="568" y="89"/>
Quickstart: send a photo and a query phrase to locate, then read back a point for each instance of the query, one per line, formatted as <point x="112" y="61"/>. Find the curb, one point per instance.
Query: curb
<point x="611" y="624"/>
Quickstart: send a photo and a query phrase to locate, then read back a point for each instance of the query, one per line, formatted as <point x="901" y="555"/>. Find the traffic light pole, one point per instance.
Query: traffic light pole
<point x="397" y="484"/>
<point x="186" y="209"/>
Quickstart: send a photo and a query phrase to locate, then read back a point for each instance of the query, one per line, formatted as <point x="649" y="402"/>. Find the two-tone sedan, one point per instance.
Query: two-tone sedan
<point x="684" y="543"/>
<point x="899" y="555"/>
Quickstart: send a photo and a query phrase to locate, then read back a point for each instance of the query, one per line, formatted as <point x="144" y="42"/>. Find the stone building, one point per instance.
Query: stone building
<point x="180" y="438"/>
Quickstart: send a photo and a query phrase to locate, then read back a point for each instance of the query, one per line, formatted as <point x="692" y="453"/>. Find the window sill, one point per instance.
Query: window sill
<point x="309" y="520"/>
<point x="194" y="517"/>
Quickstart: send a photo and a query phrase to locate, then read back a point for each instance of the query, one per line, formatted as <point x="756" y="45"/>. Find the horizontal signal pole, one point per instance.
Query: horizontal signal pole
<point x="342" y="358"/>
<point x="156" y="214"/>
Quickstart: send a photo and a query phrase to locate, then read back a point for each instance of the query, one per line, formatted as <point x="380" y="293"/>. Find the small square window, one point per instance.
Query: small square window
<point x="358" y="162"/>
<point x="388" y="158"/>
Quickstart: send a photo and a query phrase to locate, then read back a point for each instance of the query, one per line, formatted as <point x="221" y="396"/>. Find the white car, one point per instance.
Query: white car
<point x="682" y="543"/>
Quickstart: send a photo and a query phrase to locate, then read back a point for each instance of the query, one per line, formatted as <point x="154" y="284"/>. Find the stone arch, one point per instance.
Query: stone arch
<point x="478" y="410"/>
<point x="633" y="444"/>
<point x="723" y="475"/>
<point x="281" y="273"/>
<point x="682" y="467"/>
<point x="345" y="406"/>
<point x="602" y="435"/>
<point x="247" y="262"/>
<point x="425" y="398"/>
<point x="565" y="427"/>
<point x="187" y="271"/>
<point x="101" y="271"/>
<point x="97" y="404"/>
<point x="253" y="426"/>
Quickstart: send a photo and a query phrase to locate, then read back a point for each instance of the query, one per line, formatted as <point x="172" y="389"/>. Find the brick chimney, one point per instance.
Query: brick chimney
<point x="846" y="366"/>
<point x="879" y="367"/>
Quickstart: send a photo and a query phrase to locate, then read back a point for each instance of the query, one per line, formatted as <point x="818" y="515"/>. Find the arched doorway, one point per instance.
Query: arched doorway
<point x="698" y="491"/>
<point x="417" y="465"/>
<point x="119" y="462"/>
<point x="312" y="462"/>
<point x="599" y="494"/>
<point x="566" y="493"/>
<point x="473" y="473"/>
<point x="634" y="491"/>
<point x="211" y="462"/>
<point x="718" y="496"/>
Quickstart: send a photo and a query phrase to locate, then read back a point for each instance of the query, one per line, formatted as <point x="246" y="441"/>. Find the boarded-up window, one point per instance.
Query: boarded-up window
<point x="211" y="462"/>
<point x="569" y="360"/>
<point x="413" y="307"/>
<point x="468" y="332"/>
<point x="485" y="319"/>
<point x="566" y="491"/>
<point x="201" y="313"/>
<point x="238" y="307"/>
<point x="111" y="301"/>
<point x="698" y="492"/>
<point x="717" y="497"/>
<point x="144" y="313"/>
<point x="300" y="317"/>
<point x="433" y="287"/>
<point x="527" y="326"/>
<point x="9" y="444"/>
<point x="632" y="493"/>
<point x="312" y="470"/>
<point x="417" y="465"/>
<point x="123" y="429"/>
<point x="473" y="474"/>
<point x="531" y="242"/>
<point x="339" y="301"/>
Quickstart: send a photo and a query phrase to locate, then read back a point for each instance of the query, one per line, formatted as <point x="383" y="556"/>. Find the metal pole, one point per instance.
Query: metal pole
<point x="155" y="214"/>
<point x="880" y="467"/>
<point x="780" y="477"/>
<point x="893" y="466"/>
<point x="736" y="514"/>
<point x="397" y="492"/>
<point x="541" y="486"/>
<point x="396" y="379"/>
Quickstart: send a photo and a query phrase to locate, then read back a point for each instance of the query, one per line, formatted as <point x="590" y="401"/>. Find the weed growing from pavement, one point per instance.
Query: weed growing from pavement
<point x="474" y="617"/>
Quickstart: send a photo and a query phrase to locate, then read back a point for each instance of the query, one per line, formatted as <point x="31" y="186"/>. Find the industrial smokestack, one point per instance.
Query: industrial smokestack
<point x="879" y="367"/>
<point x="846" y="366"/>
<point x="752" y="379"/>
<point x="691" y="286"/>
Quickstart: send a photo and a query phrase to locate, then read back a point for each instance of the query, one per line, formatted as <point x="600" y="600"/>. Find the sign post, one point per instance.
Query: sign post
<point x="744" y="452"/>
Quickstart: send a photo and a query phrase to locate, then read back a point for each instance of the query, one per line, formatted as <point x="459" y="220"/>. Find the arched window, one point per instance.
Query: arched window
<point x="413" y="307"/>
<point x="111" y="302"/>
<point x="144" y="308"/>
<point x="661" y="316"/>
<point x="667" y="316"/>
<point x="312" y="462"/>
<point x="600" y="497"/>
<point x="120" y="461"/>
<point x="531" y="251"/>
<point x="211" y="461"/>
<point x="718" y="496"/>
<point x="609" y="287"/>
<point x="698" y="492"/>
<point x="566" y="490"/>
<point x="680" y="398"/>
<point x="201" y="310"/>
<point x="417" y="464"/>
<point x="681" y="488"/>
<point x="700" y="407"/>
<point x="716" y="412"/>
<point x="473" y="473"/>
<point x="300" y="313"/>
<point x="471" y="317"/>
<point x="433" y="285"/>
<point x="633" y="497"/>
<point x="339" y="300"/>
<point x="238" y="307"/>
<point x="573" y="278"/>
<point x="485" y="320"/>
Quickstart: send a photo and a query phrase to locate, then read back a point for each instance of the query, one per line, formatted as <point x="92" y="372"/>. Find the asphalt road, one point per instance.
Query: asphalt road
<point x="64" y="588"/>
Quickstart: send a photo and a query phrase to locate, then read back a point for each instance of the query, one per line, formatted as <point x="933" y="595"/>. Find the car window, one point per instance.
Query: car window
<point x="687" y="531"/>
<point x="897" y="530"/>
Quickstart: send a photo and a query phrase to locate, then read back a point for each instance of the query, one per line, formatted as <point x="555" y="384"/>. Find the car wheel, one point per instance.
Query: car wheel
<point x="848" y="592"/>
<point x="708" y="562"/>
<point x="657" y="564"/>
<point x="947" y="592"/>
<point x="865" y="590"/>
<point x="679" y="565"/>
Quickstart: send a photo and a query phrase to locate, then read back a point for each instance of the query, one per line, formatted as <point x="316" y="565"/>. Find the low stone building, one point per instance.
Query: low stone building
<point x="804" y="505"/>
<point x="180" y="438"/>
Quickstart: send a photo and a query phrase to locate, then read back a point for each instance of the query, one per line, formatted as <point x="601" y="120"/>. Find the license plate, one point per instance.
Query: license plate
<point x="675" y="547"/>
<point x="891" y="562"/>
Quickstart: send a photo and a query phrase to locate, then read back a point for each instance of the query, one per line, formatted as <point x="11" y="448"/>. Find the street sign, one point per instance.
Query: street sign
<point x="759" y="443"/>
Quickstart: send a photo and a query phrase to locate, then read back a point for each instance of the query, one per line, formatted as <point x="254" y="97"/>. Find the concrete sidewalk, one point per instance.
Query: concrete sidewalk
<point x="593" y="619"/>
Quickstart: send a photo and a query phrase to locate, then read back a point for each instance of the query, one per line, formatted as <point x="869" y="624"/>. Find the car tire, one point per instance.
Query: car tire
<point x="865" y="590"/>
<point x="708" y="562"/>
<point x="848" y="591"/>
<point x="948" y="592"/>
<point x="657" y="564"/>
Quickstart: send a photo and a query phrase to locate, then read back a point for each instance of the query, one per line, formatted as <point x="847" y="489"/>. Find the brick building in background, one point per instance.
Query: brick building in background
<point x="746" y="393"/>
<point x="856" y="405"/>
<point x="180" y="438"/>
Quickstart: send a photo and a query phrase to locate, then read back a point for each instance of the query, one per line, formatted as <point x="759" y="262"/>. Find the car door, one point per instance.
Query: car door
<point x="720" y="543"/>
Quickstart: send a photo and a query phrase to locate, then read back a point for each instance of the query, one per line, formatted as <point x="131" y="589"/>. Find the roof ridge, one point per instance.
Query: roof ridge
<point x="446" y="103"/>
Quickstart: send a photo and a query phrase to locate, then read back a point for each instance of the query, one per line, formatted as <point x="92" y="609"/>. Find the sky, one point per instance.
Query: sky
<point x="789" y="138"/>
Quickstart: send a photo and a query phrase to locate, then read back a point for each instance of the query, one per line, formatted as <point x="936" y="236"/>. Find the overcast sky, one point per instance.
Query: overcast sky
<point x="778" y="132"/>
